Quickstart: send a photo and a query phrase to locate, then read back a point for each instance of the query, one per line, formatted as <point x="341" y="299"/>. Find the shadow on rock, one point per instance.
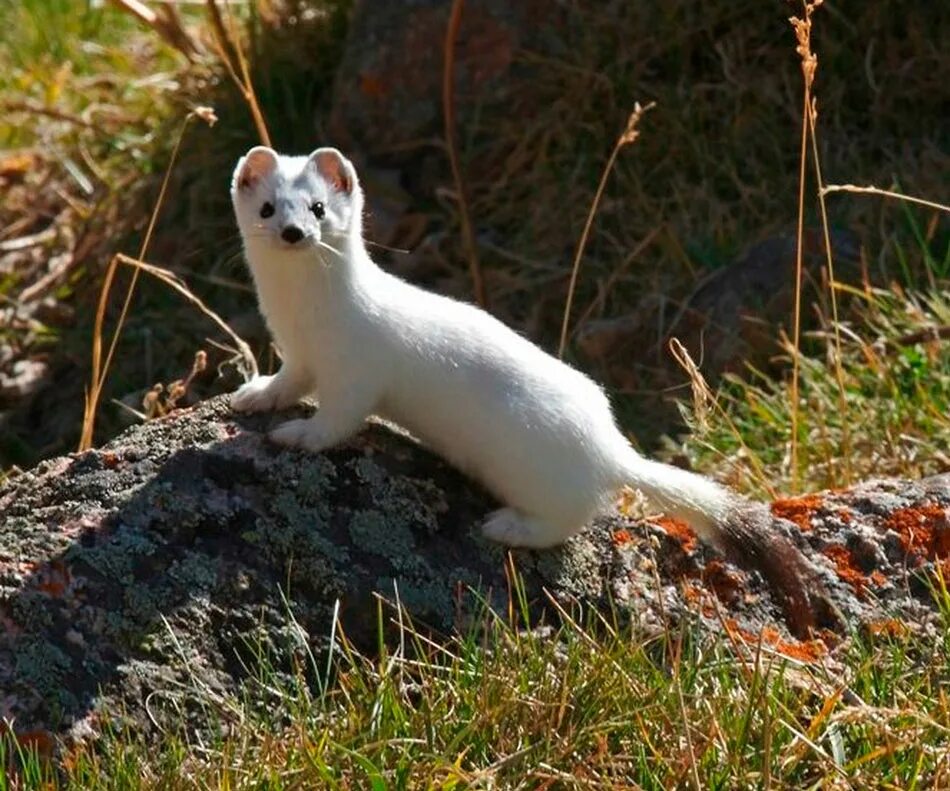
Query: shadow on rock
<point x="167" y="567"/>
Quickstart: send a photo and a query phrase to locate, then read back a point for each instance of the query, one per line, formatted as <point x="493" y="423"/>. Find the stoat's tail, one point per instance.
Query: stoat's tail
<point x="743" y="530"/>
<point x="702" y="503"/>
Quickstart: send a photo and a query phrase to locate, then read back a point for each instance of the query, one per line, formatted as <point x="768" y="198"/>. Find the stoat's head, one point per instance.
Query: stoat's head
<point x="295" y="203"/>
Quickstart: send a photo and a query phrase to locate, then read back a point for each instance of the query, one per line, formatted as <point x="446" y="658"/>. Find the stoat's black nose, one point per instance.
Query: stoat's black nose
<point x="291" y="234"/>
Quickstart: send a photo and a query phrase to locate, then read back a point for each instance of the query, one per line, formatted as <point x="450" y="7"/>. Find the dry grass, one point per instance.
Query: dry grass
<point x="895" y="368"/>
<point x="626" y="138"/>
<point x="451" y="145"/>
<point x="79" y="136"/>
<point x="100" y="367"/>
<point x="580" y="704"/>
<point x="107" y="125"/>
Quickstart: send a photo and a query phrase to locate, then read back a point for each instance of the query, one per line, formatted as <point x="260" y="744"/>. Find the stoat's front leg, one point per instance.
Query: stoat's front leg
<point x="345" y="404"/>
<point x="263" y="393"/>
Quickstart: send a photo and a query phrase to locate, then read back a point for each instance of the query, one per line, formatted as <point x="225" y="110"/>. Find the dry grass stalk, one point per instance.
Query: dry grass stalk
<point x="8" y="106"/>
<point x="828" y="188"/>
<point x="229" y="50"/>
<point x="99" y="369"/>
<point x="171" y="279"/>
<point x="629" y="135"/>
<point x="161" y="400"/>
<point x="836" y="325"/>
<point x="166" y="23"/>
<point x="809" y="64"/>
<point x="703" y="398"/>
<point x="448" y="109"/>
<point x="598" y="302"/>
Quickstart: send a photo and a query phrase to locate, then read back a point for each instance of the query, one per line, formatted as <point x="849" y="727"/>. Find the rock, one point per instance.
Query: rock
<point x="388" y="92"/>
<point x="143" y="579"/>
<point x="387" y="109"/>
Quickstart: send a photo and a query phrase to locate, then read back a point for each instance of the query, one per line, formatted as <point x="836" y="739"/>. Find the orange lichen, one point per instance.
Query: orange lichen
<point x="923" y="530"/>
<point x="890" y="627"/>
<point x="55" y="579"/>
<point x="692" y="594"/>
<point x="802" y="650"/>
<point x="798" y="510"/>
<point x="52" y="578"/>
<point x="680" y="531"/>
<point x="621" y="537"/>
<point x="941" y="540"/>
<point x="697" y="597"/>
<point x="848" y="569"/>
<point x="38" y="740"/>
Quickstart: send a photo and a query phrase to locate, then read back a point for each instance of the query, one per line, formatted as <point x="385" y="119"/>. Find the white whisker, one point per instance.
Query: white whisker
<point x="330" y="248"/>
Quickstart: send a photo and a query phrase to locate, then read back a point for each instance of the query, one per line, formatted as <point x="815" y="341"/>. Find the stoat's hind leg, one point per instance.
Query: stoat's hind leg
<point x="511" y="527"/>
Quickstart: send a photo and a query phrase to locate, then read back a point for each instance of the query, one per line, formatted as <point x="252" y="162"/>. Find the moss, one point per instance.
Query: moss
<point x="142" y="604"/>
<point x="158" y="643"/>
<point x="368" y="471"/>
<point x="301" y="508"/>
<point x="194" y="573"/>
<point x="324" y="548"/>
<point x="32" y="607"/>
<point x="11" y="537"/>
<point x="401" y="497"/>
<point x="212" y="540"/>
<point x="316" y="480"/>
<point x="432" y="599"/>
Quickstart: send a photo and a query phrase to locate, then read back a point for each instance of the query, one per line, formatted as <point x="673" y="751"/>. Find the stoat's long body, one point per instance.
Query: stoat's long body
<point x="539" y="434"/>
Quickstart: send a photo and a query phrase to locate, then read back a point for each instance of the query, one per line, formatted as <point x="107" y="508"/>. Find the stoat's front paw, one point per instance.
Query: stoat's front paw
<point x="299" y="434"/>
<point x="258" y="395"/>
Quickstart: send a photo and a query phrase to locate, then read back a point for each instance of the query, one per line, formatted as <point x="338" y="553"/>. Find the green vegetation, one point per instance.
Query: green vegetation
<point x="895" y="420"/>
<point x="582" y="704"/>
<point x="94" y="100"/>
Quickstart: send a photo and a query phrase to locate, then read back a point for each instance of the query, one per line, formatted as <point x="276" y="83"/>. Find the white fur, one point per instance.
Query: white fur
<point x="539" y="434"/>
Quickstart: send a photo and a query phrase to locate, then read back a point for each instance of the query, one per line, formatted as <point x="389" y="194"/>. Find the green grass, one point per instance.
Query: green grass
<point x="87" y="96"/>
<point x="714" y="170"/>
<point x="72" y="57"/>
<point x="896" y="415"/>
<point x="581" y="704"/>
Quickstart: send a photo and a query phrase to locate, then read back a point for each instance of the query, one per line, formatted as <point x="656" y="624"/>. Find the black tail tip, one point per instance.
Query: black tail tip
<point x="753" y="538"/>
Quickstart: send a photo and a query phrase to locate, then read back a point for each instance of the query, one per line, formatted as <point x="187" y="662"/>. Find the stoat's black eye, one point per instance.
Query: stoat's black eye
<point x="267" y="210"/>
<point x="318" y="210"/>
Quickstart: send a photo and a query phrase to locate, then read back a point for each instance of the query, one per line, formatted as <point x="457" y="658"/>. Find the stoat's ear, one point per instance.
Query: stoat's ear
<point x="335" y="168"/>
<point x="257" y="164"/>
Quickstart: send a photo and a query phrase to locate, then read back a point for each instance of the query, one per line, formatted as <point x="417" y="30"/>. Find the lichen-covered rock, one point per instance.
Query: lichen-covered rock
<point x="143" y="579"/>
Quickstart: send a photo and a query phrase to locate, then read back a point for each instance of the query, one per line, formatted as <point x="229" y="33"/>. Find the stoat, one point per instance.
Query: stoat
<point x="537" y="433"/>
